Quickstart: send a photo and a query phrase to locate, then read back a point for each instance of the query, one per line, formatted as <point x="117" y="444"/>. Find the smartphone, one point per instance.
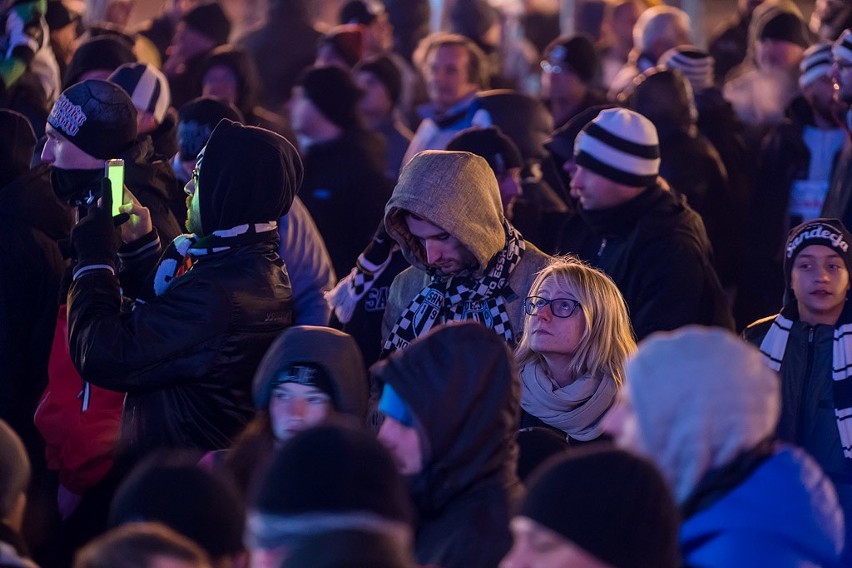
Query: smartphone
<point x="115" y="173"/>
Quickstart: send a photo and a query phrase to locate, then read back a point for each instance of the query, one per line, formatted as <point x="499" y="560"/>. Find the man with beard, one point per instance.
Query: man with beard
<point x="794" y="171"/>
<point x="186" y="354"/>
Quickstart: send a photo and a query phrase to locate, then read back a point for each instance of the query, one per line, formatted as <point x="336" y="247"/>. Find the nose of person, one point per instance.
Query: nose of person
<point x="48" y="155"/>
<point x="434" y="251"/>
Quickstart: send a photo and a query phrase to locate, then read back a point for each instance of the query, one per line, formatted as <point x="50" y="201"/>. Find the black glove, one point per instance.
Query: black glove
<point x="95" y="238"/>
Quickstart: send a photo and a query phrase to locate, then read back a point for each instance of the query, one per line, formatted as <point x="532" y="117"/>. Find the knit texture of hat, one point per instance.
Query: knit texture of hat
<point x="210" y="21"/>
<point x="335" y="94"/>
<point x="816" y="63"/>
<point x="842" y="48"/>
<point x="147" y="86"/>
<point x="695" y="64"/>
<point x="490" y="143"/>
<point x="329" y="477"/>
<point x="101" y="53"/>
<point x="785" y="26"/>
<point x="620" y="145"/>
<point x="831" y="233"/>
<point x="96" y="116"/>
<point x="578" y="53"/>
<point x="196" y="121"/>
<point x="612" y="504"/>
<point x="386" y="71"/>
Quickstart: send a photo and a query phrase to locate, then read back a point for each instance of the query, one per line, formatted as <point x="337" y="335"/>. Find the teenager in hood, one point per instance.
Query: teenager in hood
<point x="450" y="403"/>
<point x="187" y="355"/>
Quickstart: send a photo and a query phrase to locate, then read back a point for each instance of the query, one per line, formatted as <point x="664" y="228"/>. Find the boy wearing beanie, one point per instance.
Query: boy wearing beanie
<point x="596" y="508"/>
<point x="808" y="344"/>
<point x="631" y="226"/>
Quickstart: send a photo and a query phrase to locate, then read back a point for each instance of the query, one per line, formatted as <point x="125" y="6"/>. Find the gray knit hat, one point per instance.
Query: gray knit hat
<point x="695" y="64"/>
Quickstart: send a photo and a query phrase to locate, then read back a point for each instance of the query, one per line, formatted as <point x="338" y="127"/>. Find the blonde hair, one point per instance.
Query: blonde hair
<point x="607" y="340"/>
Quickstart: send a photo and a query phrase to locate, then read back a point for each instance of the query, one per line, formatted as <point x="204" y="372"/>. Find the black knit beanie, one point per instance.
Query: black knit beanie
<point x="490" y="143"/>
<point x="175" y="491"/>
<point x="102" y="53"/>
<point x="577" y="53"/>
<point x="335" y="94"/>
<point x="96" y="116"/>
<point x="785" y="26"/>
<point x="210" y="21"/>
<point x="386" y="71"/>
<point x="196" y="121"/>
<point x="328" y="470"/>
<point x="831" y="233"/>
<point x="612" y="504"/>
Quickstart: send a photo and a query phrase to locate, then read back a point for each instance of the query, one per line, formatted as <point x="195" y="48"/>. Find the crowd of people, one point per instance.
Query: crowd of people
<point x="371" y="296"/>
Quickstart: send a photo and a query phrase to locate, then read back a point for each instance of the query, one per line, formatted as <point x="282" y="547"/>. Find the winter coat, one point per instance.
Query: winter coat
<point x="345" y="192"/>
<point x="783" y="515"/>
<point x="465" y="407"/>
<point x="656" y="250"/>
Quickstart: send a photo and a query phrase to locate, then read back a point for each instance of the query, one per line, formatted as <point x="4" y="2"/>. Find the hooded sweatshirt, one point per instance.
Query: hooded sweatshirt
<point x="462" y="390"/>
<point x="456" y="191"/>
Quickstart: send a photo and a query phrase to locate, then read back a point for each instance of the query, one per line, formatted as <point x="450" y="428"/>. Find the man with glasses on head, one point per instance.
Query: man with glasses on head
<point x="569" y="69"/>
<point x="469" y="262"/>
<point x="635" y="229"/>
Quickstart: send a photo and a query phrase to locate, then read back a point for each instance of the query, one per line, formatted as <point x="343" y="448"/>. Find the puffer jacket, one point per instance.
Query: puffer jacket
<point x="463" y="392"/>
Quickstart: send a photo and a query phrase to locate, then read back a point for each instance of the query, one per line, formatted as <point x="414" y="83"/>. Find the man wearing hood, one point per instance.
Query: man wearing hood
<point x="187" y="355"/>
<point x="468" y="261"/>
<point x="451" y="412"/>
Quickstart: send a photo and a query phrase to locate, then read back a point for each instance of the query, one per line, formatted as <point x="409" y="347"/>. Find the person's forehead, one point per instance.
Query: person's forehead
<point x="451" y="54"/>
<point x="297" y="388"/>
<point x="818" y="251"/>
<point x="557" y="284"/>
<point x="423" y="228"/>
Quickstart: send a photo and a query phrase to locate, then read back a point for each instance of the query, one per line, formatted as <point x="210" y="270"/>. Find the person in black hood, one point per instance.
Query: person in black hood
<point x="187" y="355"/>
<point x="32" y="221"/>
<point x="229" y="73"/>
<point x="451" y="405"/>
<point x="97" y="57"/>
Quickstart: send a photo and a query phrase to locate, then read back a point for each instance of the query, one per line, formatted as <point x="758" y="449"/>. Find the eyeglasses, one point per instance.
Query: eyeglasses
<point x="559" y="307"/>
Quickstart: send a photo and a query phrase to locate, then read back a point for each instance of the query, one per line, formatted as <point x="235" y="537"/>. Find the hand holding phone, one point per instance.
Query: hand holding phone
<point x="114" y="172"/>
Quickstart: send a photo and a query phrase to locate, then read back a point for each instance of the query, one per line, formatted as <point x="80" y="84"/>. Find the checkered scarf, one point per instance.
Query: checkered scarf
<point x="183" y="252"/>
<point x="775" y="344"/>
<point x="462" y="297"/>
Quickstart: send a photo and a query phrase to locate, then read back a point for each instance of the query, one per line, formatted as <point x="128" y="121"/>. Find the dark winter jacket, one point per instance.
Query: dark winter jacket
<point x="656" y="250"/>
<point x="465" y="408"/>
<point x="345" y="191"/>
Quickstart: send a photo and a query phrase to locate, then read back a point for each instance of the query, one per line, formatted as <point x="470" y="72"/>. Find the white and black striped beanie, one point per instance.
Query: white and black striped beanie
<point x="842" y="49"/>
<point x="621" y="145"/>
<point x="816" y="63"/>
<point x="695" y="64"/>
<point x="147" y="86"/>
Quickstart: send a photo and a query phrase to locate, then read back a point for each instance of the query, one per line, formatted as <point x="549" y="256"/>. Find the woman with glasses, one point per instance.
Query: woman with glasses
<point x="576" y="338"/>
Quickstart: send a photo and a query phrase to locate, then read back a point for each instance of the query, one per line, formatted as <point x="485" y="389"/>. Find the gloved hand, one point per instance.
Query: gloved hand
<point x="95" y="238"/>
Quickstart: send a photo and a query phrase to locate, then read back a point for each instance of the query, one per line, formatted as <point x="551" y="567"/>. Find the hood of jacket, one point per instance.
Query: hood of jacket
<point x="336" y="352"/>
<point x="456" y="191"/>
<point x="461" y="386"/>
<point x="250" y="175"/>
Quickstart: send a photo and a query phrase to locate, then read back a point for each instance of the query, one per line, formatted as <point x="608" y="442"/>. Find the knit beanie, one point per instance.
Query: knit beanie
<point x="17" y="143"/>
<point x="842" y="48"/>
<point x="831" y="233"/>
<point x="147" y="86"/>
<point x="210" y="21"/>
<point x="490" y="143"/>
<point x="196" y="121"/>
<point x="101" y="53"/>
<point x="386" y="71"/>
<point x="577" y="53"/>
<point x="194" y="502"/>
<point x="612" y="504"/>
<point x="14" y="468"/>
<point x="815" y="63"/>
<point x="96" y="116"/>
<point x="561" y="142"/>
<point x="620" y="145"/>
<point x="695" y="64"/>
<point x="785" y="26"/>
<point x="335" y="94"/>
<point x="362" y="12"/>
<point x="58" y="15"/>
<point x="331" y="477"/>
<point x="472" y="18"/>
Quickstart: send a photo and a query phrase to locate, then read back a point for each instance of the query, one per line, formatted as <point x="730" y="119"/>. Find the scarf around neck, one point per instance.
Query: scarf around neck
<point x="462" y="297"/>
<point x="576" y="409"/>
<point x="774" y="345"/>
<point x="183" y="252"/>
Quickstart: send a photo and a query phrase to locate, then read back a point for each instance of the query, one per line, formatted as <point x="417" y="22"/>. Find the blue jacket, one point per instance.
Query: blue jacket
<point x="784" y="515"/>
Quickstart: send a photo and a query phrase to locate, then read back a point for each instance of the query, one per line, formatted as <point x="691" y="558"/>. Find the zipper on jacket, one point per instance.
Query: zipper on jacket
<point x="603" y="246"/>
<point x="807" y="383"/>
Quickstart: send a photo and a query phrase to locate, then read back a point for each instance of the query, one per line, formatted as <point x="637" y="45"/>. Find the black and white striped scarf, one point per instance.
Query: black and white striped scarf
<point x="462" y="297"/>
<point x="775" y="344"/>
<point x="182" y="253"/>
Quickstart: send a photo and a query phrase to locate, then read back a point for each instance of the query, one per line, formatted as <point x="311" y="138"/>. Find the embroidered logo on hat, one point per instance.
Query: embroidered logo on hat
<point x="821" y="232"/>
<point x="66" y="116"/>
